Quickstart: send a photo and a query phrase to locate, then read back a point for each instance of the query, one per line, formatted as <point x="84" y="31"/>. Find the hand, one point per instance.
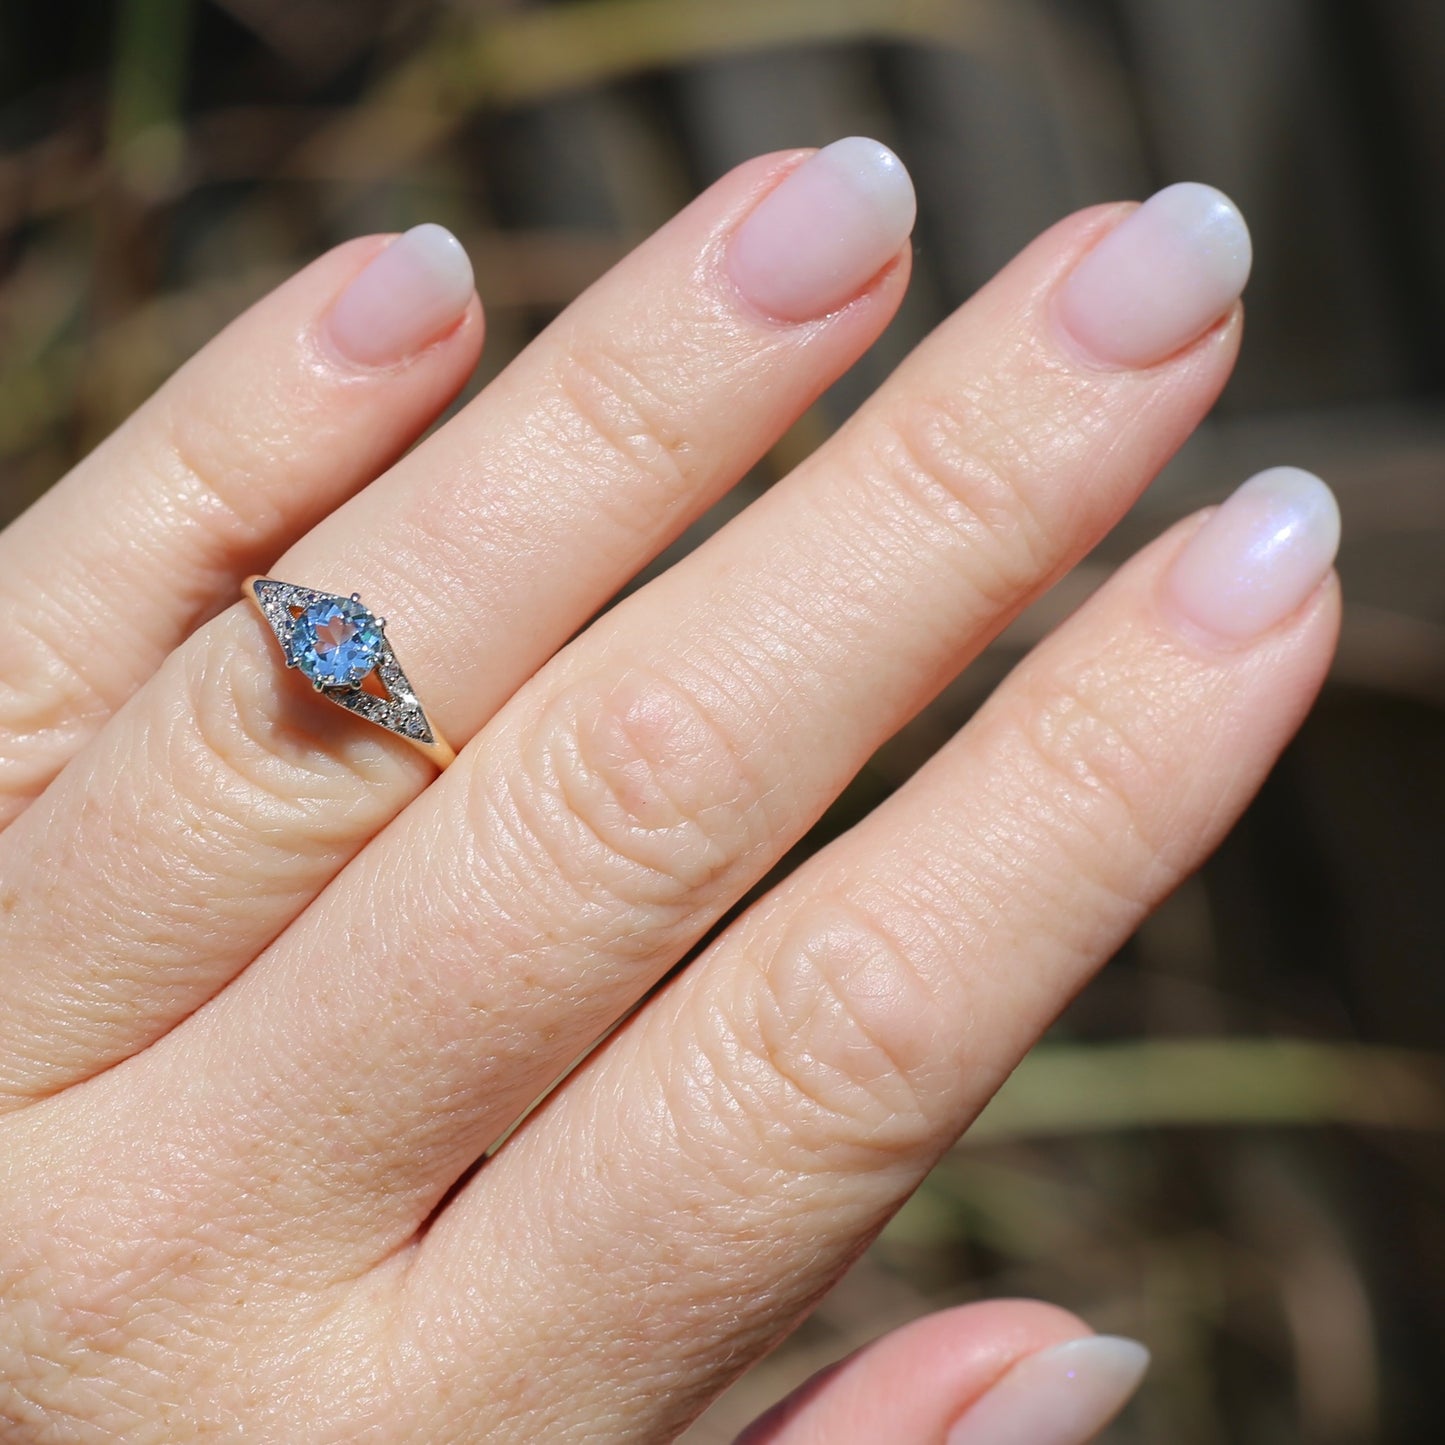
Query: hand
<point x="273" y="987"/>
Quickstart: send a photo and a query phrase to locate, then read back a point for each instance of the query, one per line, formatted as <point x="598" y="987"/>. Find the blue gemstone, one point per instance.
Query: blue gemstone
<point x="335" y="642"/>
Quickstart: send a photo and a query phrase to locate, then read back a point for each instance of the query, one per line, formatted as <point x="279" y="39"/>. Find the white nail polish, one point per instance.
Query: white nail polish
<point x="1060" y="1396"/>
<point x="410" y="294"/>
<point x="1259" y="557"/>
<point x="1159" y="279"/>
<point x="825" y="231"/>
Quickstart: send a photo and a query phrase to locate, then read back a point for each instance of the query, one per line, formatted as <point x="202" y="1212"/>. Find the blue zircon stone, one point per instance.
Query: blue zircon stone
<point x="335" y="642"/>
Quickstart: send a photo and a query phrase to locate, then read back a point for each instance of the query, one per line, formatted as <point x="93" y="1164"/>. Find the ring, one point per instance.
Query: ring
<point x="341" y="648"/>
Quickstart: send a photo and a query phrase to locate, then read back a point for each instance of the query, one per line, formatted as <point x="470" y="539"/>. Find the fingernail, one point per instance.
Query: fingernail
<point x="1060" y="1396"/>
<point x="1160" y="278"/>
<point x="406" y="297"/>
<point x="829" y="228"/>
<point x="1258" y="558"/>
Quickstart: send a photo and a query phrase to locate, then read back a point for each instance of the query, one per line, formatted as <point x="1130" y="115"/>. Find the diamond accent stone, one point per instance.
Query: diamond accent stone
<point x="283" y="604"/>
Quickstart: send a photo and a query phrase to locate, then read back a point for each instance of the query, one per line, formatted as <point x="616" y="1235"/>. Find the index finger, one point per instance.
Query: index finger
<point x="304" y="398"/>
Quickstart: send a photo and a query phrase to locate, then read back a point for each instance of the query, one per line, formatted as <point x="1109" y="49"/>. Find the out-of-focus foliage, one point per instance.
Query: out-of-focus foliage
<point x="1231" y="1144"/>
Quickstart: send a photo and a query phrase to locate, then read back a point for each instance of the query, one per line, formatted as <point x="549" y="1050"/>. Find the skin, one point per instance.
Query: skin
<point x="272" y="988"/>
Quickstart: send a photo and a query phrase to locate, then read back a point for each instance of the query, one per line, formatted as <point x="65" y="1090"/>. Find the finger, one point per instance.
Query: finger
<point x="307" y="396"/>
<point x="1000" y="1373"/>
<point x="733" y="1147"/>
<point x="667" y="759"/>
<point x="234" y="795"/>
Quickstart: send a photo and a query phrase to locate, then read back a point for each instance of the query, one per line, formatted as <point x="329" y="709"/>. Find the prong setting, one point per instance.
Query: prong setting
<point x="285" y="606"/>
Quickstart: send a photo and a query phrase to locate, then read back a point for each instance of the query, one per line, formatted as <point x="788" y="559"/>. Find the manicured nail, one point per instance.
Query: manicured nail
<point x="1060" y="1396"/>
<point x="816" y="240"/>
<point x="1257" y="559"/>
<point x="409" y="295"/>
<point x="1162" y="277"/>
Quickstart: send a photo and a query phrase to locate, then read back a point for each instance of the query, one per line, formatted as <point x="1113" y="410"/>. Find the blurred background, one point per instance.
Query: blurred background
<point x="1230" y="1146"/>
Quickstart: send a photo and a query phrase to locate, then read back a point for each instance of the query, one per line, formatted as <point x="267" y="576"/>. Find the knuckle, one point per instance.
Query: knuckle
<point x="1092" y="777"/>
<point x="234" y="754"/>
<point x="435" y="539"/>
<point x="626" y="411"/>
<point x="207" y="463"/>
<point x="965" y="464"/>
<point x="47" y="707"/>
<point x="202" y="470"/>
<point x="633" y="792"/>
<point x="838" y="1043"/>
